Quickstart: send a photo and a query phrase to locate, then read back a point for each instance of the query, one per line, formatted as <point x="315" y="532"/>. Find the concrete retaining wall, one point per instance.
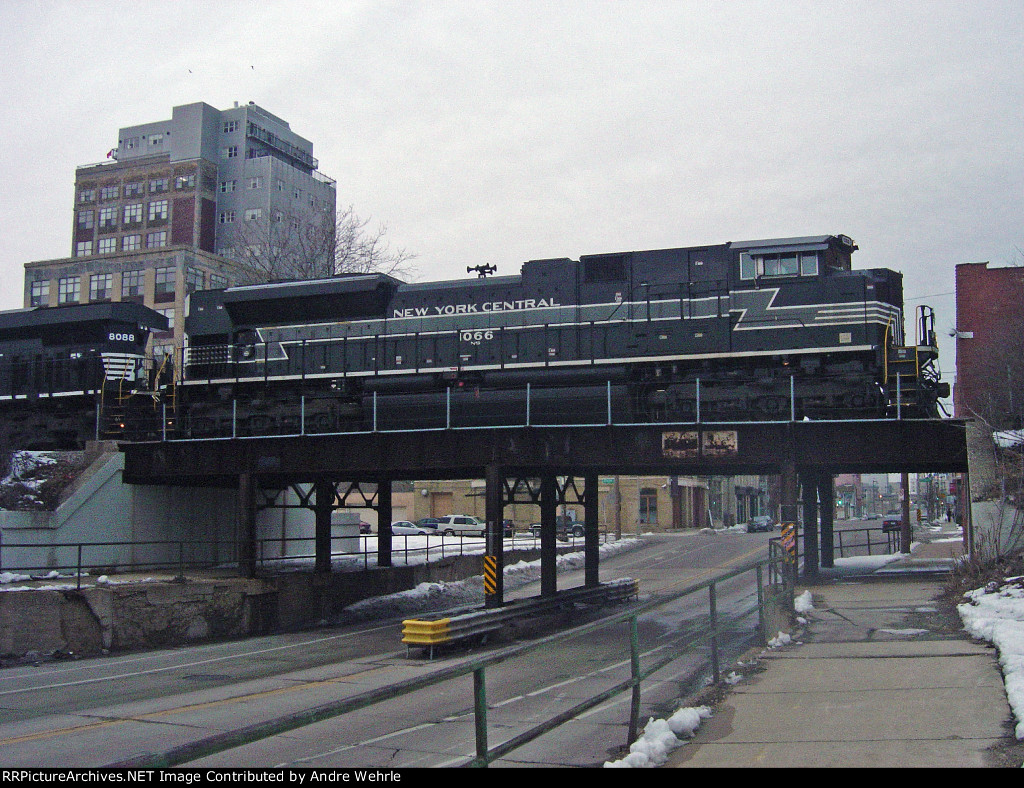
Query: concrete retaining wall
<point x="152" y="614"/>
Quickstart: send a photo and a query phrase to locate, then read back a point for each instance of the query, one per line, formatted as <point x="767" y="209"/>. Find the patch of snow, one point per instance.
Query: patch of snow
<point x="803" y="603"/>
<point x="995" y="613"/>
<point x="782" y="639"/>
<point x="660" y="737"/>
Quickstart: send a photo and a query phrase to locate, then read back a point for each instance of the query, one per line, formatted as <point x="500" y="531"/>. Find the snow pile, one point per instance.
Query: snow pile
<point x="442" y="595"/>
<point x="660" y="737"/>
<point x="996" y="613"/>
<point x="803" y="603"/>
<point x="782" y="639"/>
<point x="1008" y="439"/>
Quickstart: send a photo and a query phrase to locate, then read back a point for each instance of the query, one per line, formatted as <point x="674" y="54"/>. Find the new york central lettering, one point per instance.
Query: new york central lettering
<point x="467" y="309"/>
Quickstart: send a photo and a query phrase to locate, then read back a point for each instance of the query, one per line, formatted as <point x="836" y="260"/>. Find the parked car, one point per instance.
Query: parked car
<point x="564" y="528"/>
<point x="462" y="524"/>
<point x="761" y="522"/>
<point x="892" y="525"/>
<point x="406" y="527"/>
<point x="508" y="527"/>
<point x="364" y="528"/>
<point x="428" y="522"/>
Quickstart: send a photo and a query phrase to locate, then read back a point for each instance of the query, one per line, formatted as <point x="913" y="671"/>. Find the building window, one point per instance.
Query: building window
<point x="253" y="214"/>
<point x="169" y="314"/>
<point x="133" y="214"/>
<point x="133" y="189"/>
<point x="218" y="281"/>
<point x="163" y="284"/>
<point x="87" y="195"/>
<point x="230" y="126"/>
<point x="85" y="220"/>
<point x="39" y="295"/>
<point x="297" y="194"/>
<point x="131" y="143"/>
<point x="185" y="181"/>
<point x="131" y="284"/>
<point x="110" y="192"/>
<point x="194" y="279"/>
<point x="227" y="217"/>
<point x="226" y="187"/>
<point x="108" y="218"/>
<point x="279" y="184"/>
<point x="158" y="210"/>
<point x="156" y="240"/>
<point x="231" y="152"/>
<point x="68" y="290"/>
<point x="99" y="287"/>
<point x="156" y="139"/>
<point x="131" y="243"/>
<point x="83" y="249"/>
<point x="648" y="505"/>
<point x="107" y="245"/>
<point x="256" y="183"/>
<point x="157" y="185"/>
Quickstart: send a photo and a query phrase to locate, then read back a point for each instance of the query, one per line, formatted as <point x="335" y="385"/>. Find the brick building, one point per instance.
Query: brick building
<point x="990" y="345"/>
<point x="162" y="216"/>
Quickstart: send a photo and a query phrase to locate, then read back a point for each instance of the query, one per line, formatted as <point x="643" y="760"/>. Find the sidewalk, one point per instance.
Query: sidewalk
<point x="879" y="676"/>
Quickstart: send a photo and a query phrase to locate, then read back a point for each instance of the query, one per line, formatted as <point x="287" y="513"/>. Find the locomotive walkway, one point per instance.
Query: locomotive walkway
<point x="878" y="677"/>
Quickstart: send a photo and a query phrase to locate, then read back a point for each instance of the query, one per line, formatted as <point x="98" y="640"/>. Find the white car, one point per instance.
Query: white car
<point x="462" y="524"/>
<point x="405" y="527"/>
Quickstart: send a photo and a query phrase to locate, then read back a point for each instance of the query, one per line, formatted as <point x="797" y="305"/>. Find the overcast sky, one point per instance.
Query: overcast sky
<point x="497" y="132"/>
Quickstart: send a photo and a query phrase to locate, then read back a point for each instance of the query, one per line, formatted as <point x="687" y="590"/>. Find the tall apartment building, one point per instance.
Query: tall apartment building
<point x="163" y="216"/>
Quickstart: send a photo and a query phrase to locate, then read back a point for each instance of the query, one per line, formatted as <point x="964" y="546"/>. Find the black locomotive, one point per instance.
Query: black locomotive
<point x="758" y="330"/>
<point x="62" y="368"/>
<point x="771" y="329"/>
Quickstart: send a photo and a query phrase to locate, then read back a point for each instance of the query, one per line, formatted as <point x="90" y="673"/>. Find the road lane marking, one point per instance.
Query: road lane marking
<point x="183" y="665"/>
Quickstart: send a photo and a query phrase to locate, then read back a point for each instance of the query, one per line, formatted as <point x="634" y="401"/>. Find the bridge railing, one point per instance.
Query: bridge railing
<point x="705" y="631"/>
<point x="604" y="404"/>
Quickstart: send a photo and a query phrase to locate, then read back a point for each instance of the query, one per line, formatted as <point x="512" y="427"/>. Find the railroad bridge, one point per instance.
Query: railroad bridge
<point x="548" y="466"/>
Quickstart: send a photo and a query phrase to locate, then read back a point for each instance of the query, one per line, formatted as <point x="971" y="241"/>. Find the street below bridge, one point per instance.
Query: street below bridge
<point x="116" y="709"/>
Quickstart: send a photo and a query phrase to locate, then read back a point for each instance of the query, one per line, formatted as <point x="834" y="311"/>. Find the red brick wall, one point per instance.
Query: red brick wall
<point x="990" y="344"/>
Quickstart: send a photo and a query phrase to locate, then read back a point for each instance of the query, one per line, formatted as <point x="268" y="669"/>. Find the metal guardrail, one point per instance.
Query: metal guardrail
<point x="777" y="593"/>
<point x="430" y="633"/>
<point x="81" y="558"/>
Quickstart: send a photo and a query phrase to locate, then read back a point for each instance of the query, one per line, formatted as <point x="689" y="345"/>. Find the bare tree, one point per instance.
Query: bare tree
<point x="313" y="246"/>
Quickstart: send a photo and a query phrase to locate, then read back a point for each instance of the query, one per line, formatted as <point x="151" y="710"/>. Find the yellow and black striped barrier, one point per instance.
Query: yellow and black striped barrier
<point x="789" y="541"/>
<point x="490" y="574"/>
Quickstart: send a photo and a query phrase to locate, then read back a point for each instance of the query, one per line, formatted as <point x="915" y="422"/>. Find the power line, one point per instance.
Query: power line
<point x="933" y="295"/>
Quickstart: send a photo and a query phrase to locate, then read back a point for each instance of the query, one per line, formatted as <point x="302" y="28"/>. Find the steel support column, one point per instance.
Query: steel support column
<point x="548" y="549"/>
<point x="591" y="546"/>
<point x="827" y="507"/>
<point x="384" y="522"/>
<point x="809" y="488"/>
<point x="494" y="558"/>
<point x="788" y="505"/>
<point x="323" y="505"/>
<point x="246" y="525"/>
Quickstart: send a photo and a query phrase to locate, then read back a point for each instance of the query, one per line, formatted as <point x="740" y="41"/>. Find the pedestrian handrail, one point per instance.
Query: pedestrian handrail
<point x="777" y="593"/>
